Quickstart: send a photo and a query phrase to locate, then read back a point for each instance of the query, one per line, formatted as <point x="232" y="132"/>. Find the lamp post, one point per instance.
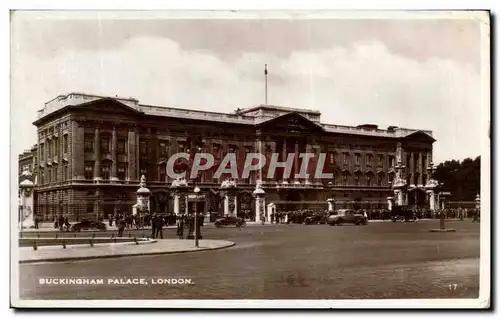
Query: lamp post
<point x="196" y="224"/>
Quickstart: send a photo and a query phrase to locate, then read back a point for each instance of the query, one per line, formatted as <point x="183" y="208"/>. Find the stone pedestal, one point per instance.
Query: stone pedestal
<point x="180" y="188"/>
<point x="229" y="189"/>
<point x="26" y="207"/>
<point x="143" y="203"/>
<point x="331" y="205"/>
<point x="260" y="203"/>
<point x="390" y="203"/>
<point x="176" y="203"/>
<point x="230" y="204"/>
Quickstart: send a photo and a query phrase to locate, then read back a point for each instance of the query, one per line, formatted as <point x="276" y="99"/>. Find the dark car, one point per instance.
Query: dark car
<point x="347" y="216"/>
<point x="88" y="225"/>
<point x="315" y="219"/>
<point x="402" y="214"/>
<point x="230" y="220"/>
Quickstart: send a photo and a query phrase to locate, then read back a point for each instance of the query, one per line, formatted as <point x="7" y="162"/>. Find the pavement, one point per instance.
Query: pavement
<point x="383" y="260"/>
<point x="113" y="250"/>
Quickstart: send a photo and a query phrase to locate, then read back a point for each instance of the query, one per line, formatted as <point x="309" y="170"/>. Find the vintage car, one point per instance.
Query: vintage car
<point x="346" y="216"/>
<point x="230" y="220"/>
<point x="402" y="214"/>
<point x="88" y="225"/>
<point x="316" y="218"/>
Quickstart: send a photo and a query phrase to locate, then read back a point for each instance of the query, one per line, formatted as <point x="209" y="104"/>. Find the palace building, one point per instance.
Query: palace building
<point x="92" y="151"/>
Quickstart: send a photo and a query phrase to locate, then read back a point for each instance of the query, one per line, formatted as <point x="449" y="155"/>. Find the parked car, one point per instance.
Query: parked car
<point x="347" y="216"/>
<point x="88" y="225"/>
<point x="230" y="220"/>
<point x="315" y="219"/>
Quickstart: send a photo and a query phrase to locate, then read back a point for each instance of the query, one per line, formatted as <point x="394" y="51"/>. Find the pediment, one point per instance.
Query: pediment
<point x="419" y="135"/>
<point x="291" y="122"/>
<point x="108" y="105"/>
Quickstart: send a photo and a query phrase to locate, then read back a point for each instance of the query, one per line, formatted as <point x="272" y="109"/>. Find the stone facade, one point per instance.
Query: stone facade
<point x="92" y="151"/>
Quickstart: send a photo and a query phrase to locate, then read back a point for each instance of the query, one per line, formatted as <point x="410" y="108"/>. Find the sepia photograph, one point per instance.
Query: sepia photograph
<point x="250" y="159"/>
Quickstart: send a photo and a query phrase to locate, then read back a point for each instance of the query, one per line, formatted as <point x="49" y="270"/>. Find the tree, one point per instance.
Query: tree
<point x="462" y="179"/>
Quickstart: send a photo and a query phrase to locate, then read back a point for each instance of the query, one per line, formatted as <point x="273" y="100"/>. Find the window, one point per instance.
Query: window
<point x="89" y="144"/>
<point x="357" y="158"/>
<point x="162" y="171"/>
<point x="89" y="171"/>
<point x="49" y="175"/>
<point x="391" y="161"/>
<point x="408" y="179"/>
<point x="380" y="179"/>
<point x="42" y="149"/>
<point x="346" y="158"/>
<point x="56" y="146"/>
<point x="122" y="172"/>
<point x="333" y="157"/>
<point x="424" y="179"/>
<point x="424" y="163"/>
<point x="49" y="149"/>
<point x="344" y="179"/>
<point x="181" y="146"/>
<point x="368" y="179"/>
<point x="163" y="148"/>
<point x="380" y="163"/>
<point x="144" y="172"/>
<point x="144" y="147"/>
<point x="65" y="143"/>
<point x="391" y="177"/>
<point x="369" y="159"/>
<point x="105" y="172"/>
<point x="216" y="151"/>
<point x="356" y="179"/>
<point x="65" y="173"/>
<point x="105" y="145"/>
<point x="121" y="146"/>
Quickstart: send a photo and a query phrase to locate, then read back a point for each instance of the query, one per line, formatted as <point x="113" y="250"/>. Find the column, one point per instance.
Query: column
<point x="235" y="211"/>
<point x="97" y="154"/>
<point x="113" y="155"/>
<point x="421" y="169"/>
<point x="330" y="205"/>
<point x="226" y="205"/>
<point x="309" y="164"/>
<point x="296" y="167"/>
<point x="131" y="152"/>
<point x="432" y="201"/>
<point x="260" y="149"/>
<point x="412" y="166"/>
<point x="283" y="179"/>
<point x="77" y="156"/>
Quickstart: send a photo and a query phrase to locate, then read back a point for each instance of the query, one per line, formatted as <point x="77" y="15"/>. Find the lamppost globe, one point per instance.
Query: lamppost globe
<point x="196" y="189"/>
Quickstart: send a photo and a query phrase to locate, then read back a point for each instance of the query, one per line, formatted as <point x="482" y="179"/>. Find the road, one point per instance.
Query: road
<point x="378" y="261"/>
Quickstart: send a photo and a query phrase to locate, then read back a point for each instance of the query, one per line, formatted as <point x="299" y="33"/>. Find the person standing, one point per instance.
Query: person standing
<point x="153" y="226"/>
<point x="121" y="227"/>
<point x="180" y="228"/>
<point x="159" y="223"/>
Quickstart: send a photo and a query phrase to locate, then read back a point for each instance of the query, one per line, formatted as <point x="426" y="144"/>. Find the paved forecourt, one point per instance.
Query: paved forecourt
<point x="112" y="250"/>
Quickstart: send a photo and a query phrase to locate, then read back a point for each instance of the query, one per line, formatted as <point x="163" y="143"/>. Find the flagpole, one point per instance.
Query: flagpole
<point x="265" y="74"/>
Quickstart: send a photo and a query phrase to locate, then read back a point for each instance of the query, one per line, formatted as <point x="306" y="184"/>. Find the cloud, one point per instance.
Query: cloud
<point x="364" y="82"/>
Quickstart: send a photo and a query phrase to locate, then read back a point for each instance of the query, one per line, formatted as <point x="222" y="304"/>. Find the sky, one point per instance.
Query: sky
<point x="413" y="73"/>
